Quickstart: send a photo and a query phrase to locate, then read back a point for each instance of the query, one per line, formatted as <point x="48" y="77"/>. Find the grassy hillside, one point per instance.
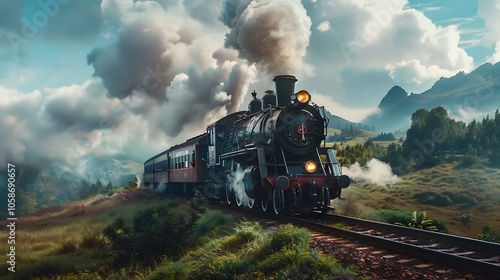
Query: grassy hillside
<point x="127" y="237"/>
<point x="447" y="192"/>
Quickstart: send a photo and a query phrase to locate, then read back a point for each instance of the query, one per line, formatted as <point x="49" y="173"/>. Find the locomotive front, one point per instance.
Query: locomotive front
<point x="281" y="143"/>
<point x="287" y="121"/>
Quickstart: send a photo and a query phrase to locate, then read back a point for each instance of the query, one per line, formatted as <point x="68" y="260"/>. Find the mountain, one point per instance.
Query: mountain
<point x="337" y="122"/>
<point x="476" y="93"/>
<point x="50" y="183"/>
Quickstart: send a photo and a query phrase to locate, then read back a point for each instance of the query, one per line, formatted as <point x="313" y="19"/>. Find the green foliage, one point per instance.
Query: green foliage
<point x="288" y="235"/>
<point x="252" y="253"/>
<point x="68" y="246"/>
<point x="433" y="134"/>
<point x="92" y="238"/>
<point x="384" y="137"/>
<point x="153" y="233"/>
<point x="395" y="216"/>
<point x="418" y="219"/>
<point x="212" y="224"/>
<point x="489" y="234"/>
<point x="433" y="198"/>
<point x="467" y="220"/>
<point x="361" y="153"/>
<point x="46" y="267"/>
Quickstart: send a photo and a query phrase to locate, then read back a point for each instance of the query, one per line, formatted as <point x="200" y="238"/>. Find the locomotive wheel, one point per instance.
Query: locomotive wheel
<point x="326" y="200"/>
<point x="278" y="200"/>
<point x="250" y="202"/>
<point x="229" y="194"/>
<point x="238" y="198"/>
<point x="263" y="205"/>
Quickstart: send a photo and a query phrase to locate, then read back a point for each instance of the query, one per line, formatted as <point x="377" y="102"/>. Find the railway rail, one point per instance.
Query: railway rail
<point x="461" y="253"/>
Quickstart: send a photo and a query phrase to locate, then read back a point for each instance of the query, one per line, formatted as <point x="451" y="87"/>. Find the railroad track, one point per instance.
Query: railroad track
<point x="460" y="253"/>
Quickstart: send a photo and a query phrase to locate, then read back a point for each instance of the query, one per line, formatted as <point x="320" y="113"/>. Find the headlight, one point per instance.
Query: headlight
<point x="310" y="166"/>
<point x="303" y="96"/>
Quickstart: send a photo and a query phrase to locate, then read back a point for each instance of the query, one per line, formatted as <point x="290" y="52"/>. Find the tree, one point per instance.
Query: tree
<point x="467" y="220"/>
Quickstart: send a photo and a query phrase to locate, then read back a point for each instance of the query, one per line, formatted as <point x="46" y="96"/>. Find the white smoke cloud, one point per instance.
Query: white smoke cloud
<point x="236" y="185"/>
<point x="272" y="33"/>
<point x="170" y="65"/>
<point x="375" y="172"/>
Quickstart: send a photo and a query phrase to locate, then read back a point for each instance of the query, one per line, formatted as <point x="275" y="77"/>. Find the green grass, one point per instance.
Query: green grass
<point x="59" y="244"/>
<point x="446" y="192"/>
<point x="252" y="253"/>
<point x="58" y="241"/>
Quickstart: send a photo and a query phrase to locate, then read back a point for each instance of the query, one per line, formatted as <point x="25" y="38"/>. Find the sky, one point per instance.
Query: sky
<point x="128" y="79"/>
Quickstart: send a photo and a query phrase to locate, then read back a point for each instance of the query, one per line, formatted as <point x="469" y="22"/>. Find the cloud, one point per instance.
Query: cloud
<point x="370" y="38"/>
<point x="324" y="26"/>
<point x="174" y="66"/>
<point x="375" y="172"/>
<point x="354" y="114"/>
<point x="489" y="10"/>
<point x="170" y="64"/>
<point x="466" y="114"/>
<point x="495" y="57"/>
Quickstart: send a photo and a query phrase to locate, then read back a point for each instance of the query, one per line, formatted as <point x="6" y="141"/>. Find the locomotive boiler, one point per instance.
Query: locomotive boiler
<point x="270" y="155"/>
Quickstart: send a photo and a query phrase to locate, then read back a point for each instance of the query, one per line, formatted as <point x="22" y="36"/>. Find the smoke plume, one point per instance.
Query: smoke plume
<point x="272" y="33"/>
<point x="376" y="172"/>
<point x="170" y="65"/>
<point x="237" y="186"/>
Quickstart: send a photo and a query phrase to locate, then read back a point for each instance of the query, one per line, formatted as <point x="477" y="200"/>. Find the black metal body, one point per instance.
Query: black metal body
<point x="260" y="157"/>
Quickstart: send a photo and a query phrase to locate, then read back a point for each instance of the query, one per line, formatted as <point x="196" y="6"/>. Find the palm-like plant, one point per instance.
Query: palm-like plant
<point x="419" y="220"/>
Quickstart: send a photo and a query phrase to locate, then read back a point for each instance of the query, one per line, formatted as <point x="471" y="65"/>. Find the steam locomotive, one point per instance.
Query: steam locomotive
<point x="268" y="157"/>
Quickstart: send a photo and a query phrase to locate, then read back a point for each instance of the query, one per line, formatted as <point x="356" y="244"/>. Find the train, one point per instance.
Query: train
<point x="272" y="156"/>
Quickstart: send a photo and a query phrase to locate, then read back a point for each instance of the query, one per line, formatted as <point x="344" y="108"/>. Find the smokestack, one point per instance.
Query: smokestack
<point x="285" y="88"/>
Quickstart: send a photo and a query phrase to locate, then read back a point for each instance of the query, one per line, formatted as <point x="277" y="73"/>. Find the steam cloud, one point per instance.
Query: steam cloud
<point x="237" y="185"/>
<point x="165" y="61"/>
<point x="171" y="69"/>
<point x="376" y="172"/>
<point x="273" y="33"/>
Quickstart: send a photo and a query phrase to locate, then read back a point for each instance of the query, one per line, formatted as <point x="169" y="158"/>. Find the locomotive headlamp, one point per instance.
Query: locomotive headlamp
<point x="303" y="96"/>
<point x="310" y="166"/>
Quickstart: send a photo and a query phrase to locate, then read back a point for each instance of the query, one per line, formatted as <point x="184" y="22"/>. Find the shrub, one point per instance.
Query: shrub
<point x="153" y="233"/>
<point x="68" y="246"/>
<point x="92" y="238"/>
<point x="289" y="236"/>
<point x="489" y="234"/>
<point x="395" y="216"/>
<point x="212" y="224"/>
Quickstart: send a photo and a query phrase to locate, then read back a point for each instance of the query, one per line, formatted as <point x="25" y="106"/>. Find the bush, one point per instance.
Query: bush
<point x="92" y="238"/>
<point x="153" y="233"/>
<point x="395" y="216"/>
<point x="489" y="234"/>
<point x="289" y="236"/>
<point x="68" y="246"/>
<point x="212" y="224"/>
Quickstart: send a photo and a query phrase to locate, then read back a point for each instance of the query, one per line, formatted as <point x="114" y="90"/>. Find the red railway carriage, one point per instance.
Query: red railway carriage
<point x="180" y="168"/>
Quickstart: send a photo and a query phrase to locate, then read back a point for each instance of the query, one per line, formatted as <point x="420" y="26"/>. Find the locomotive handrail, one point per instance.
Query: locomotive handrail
<point x="237" y="153"/>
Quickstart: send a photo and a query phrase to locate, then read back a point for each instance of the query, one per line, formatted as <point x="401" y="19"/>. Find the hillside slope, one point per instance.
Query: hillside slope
<point x="462" y="95"/>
